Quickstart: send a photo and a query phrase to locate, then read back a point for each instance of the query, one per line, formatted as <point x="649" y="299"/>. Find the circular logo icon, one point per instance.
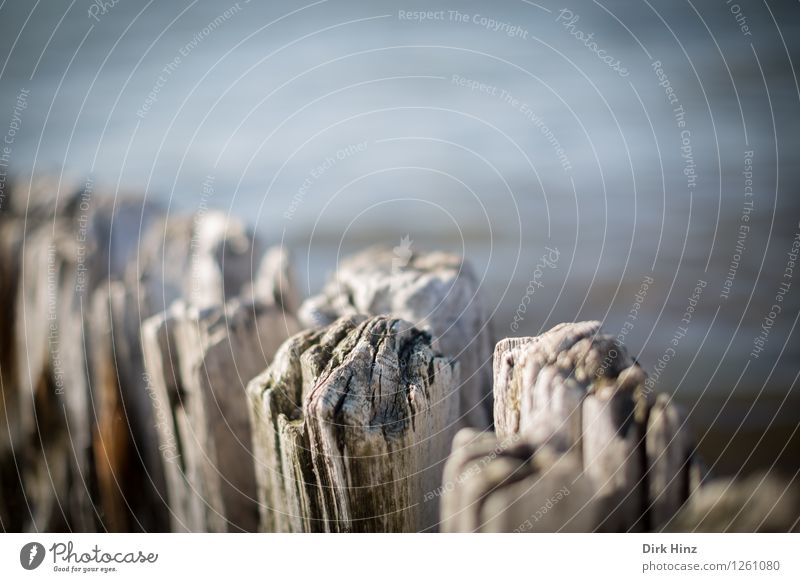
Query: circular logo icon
<point x="31" y="555"/>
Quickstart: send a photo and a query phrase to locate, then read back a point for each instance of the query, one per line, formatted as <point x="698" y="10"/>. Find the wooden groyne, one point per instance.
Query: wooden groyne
<point x="162" y="373"/>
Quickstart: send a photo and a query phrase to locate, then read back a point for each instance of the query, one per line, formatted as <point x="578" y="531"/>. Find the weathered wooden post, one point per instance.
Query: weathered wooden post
<point x="203" y="260"/>
<point x="148" y="384"/>
<point x="509" y="485"/>
<point x="575" y="401"/>
<point x="215" y="327"/>
<point x="438" y="292"/>
<point x="199" y="363"/>
<point x="85" y="271"/>
<point x="65" y="259"/>
<point x="352" y="423"/>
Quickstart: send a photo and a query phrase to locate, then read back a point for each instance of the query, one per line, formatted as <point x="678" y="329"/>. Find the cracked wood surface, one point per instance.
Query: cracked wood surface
<point x="438" y="292"/>
<point x="352" y="423"/>
<point x="576" y="402"/>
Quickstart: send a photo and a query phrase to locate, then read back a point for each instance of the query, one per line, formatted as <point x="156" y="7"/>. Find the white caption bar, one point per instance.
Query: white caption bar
<point x="399" y="557"/>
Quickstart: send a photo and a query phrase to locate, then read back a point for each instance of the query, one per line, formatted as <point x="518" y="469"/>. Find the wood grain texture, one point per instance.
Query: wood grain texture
<point x="352" y="424"/>
<point x="575" y="398"/>
<point x="512" y="486"/>
<point x="438" y="292"/>
<point x="199" y="363"/>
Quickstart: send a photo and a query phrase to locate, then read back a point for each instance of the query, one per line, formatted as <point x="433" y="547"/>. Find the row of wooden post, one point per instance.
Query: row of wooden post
<point x="160" y="373"/>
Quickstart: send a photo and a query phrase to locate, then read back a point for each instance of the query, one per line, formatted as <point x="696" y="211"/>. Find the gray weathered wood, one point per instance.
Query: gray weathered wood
<point x="87" y="269"/>
<point x="109" y="423"/>
<point x="51" y="374"/>
<point x="669" y="454"/>
<point x="202" y="259"/>
<point x="436" y="291"/>
<point x="11" y="427"/>
<point x="205" y="259"/>
<point x="512" y="486"/>
<point x="128" y="468"/>
<point x="575" y="393"/>
<point x="274" y="282"/>
<point x="24" y="208"/>
<point x="199" y="363"/>
<point x="352" y="424"/>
